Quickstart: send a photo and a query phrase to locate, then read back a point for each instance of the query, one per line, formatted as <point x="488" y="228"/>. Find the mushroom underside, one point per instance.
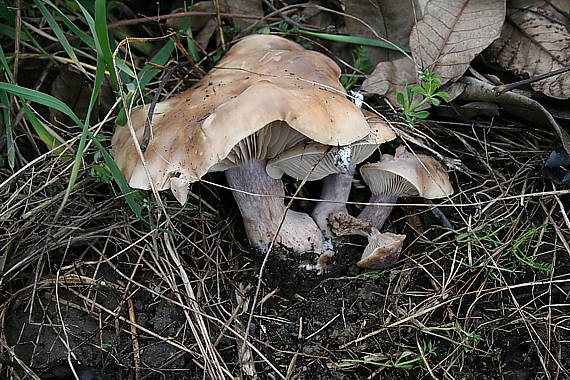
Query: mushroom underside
<point x="260" y="201"/>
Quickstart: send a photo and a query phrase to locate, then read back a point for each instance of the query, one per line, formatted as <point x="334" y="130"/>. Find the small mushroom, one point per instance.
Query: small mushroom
<point x="402" y="175"/>
<point x="382" y="249"/>
<point x="336" y="165"/>
<point x="264" y="97"/>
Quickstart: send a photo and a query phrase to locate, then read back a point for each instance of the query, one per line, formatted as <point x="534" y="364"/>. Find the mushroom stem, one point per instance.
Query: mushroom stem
<point x="262" y="214"/>
<point x="336" y="187"/>
<point x="377" y="214"/>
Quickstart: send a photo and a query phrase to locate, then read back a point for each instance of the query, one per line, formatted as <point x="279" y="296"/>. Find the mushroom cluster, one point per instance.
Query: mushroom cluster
<point x="402" y="175"/>
<point x="268" y="108"/>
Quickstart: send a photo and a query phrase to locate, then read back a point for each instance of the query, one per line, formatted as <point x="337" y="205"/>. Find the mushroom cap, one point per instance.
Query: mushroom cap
<point x="323" y="160"/>
<point x="261" y="80"/>
<point x="382" y="250"/>
<point x="406" y="174"/>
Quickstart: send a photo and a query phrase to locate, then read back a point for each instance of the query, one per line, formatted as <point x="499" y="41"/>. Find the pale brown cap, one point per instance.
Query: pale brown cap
<point x="407" y="174"/>
<point x="262" y="79"/>
<point x="382" y="250"/>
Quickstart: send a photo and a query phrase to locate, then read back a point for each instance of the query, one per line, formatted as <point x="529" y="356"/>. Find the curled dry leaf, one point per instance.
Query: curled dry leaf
<point x="452" y="33"/>
<point x="535" y="40"/>
<point x="389" y="78"/>
<point x="71" y="87"/>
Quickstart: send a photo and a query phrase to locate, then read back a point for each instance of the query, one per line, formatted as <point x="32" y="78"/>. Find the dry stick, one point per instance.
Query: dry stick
<point x="28" y="370"/>
<point x="198" y="70"/>
<point x="207" y="349"/>
<point x="63" y="328"/>
<point x="264" y="263"/>
<point x="500" y="90"/>
<point x="219" y="20"/>
<point x="135" y="342"/>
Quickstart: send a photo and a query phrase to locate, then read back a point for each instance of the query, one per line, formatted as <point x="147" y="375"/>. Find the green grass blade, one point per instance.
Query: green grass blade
<point x="102" y="35"/>
<point x="118" y="176"/>
<point x="99" y="76"/>
<point x="60" y="35"/>
<point x="11" y="32"/>
<point x="44" y="135"/>
<point x="86" y="38"/>
<point x="40" y="97"/>
<point x="355" y="40"/>
<point x="50" y="101"/>
<point x="10" y="149"/>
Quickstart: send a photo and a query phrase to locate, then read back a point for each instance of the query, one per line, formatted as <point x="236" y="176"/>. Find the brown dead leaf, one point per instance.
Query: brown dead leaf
<point x="391" y="20"/>
<point x="74" y="89"/>
<point x="244" y="7"/>
<point x="535" y="40"/>
<point x="453" y="32"/>
<point x="389" y="78"/>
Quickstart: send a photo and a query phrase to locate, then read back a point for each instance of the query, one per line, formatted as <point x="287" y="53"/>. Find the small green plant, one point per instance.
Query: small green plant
<point x="360" y="61"/>
<point x="403" y="361"/>
<point x="429" y="83"/>
<point x="466" y="339"/>
<point x="489" y="236"/>
<point x="99" y="171"/>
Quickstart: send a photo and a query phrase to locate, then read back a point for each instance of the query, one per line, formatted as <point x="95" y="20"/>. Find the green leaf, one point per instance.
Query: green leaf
<point x="443" y="95"/>
<point x="436" y="102"/>
<point x="419" y="90"/>
<point x="400" y="99"/>
<point x="409" y="93"/>
<point x="420" y="114"/>
<point x="60" y="35"/>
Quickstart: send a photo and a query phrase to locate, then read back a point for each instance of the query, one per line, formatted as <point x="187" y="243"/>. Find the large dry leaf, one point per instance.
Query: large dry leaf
<point x="244" y="7"/>
<point x="389" y="19"/>
<point x="453" y="32"/>
<point x="74" y="89"/>
<point x="535" y="40"/>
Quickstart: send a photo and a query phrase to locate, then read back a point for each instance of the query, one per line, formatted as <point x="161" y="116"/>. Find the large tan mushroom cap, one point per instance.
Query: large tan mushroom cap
<point x="406" y="174"/>
<point x="262" y="79"/>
